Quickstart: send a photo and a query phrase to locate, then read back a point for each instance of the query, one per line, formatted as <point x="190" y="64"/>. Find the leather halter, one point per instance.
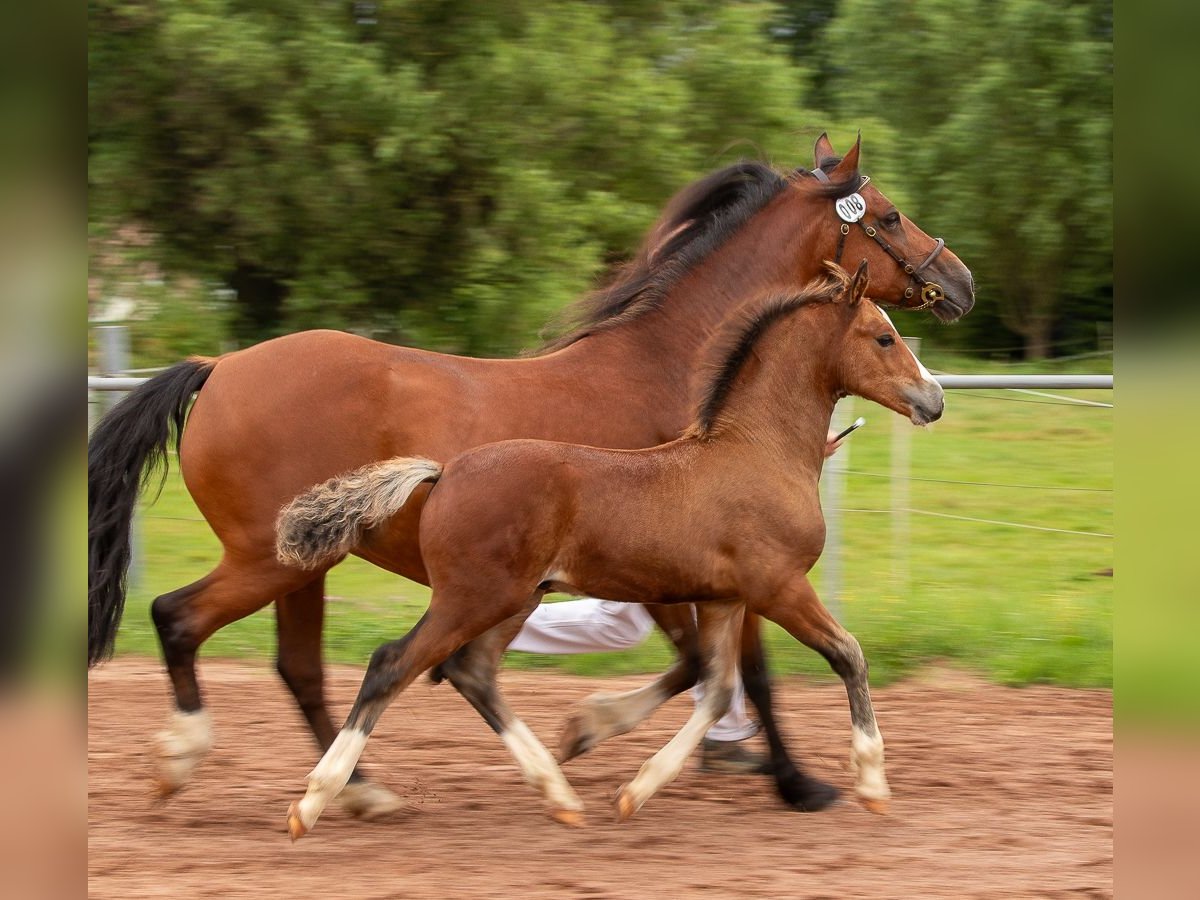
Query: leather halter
<point x="931" y="292"/>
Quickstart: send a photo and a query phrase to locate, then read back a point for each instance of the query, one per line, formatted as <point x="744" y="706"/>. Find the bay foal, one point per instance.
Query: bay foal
<point x="728" y="513"/>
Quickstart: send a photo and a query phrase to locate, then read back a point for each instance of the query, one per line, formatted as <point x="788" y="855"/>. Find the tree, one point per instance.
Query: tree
<point x="443" y="173"/>
<point x="1006" y="109"/>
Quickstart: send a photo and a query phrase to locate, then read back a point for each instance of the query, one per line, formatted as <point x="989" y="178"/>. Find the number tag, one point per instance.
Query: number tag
<point x="852" y="208"/>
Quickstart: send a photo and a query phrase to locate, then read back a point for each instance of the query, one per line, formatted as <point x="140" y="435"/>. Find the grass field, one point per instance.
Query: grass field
<point x="1017" y="604"/>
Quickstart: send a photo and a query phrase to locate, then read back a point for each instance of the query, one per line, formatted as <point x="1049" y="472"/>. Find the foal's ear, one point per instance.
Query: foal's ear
<point x="822" y="150"/>
<point x="858" y="284"/>
<point x="849" y="164"/>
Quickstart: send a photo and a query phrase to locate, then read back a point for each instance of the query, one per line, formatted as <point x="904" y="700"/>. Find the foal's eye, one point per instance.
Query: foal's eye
<point x="885" y="340"/>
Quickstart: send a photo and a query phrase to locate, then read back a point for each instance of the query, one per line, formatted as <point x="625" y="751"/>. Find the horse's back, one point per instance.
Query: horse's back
<point x="281" y="416"/>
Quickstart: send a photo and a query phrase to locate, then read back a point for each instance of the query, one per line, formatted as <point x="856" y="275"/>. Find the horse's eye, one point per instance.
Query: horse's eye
<point x="891" y="220"/>
<point x="885" y="340"/>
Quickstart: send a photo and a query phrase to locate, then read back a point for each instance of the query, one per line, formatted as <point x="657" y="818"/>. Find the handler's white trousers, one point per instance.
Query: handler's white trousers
<point x="589" y="625"/>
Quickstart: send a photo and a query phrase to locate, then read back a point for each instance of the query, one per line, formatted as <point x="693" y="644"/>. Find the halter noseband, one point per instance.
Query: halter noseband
<point x="931" y="292"/>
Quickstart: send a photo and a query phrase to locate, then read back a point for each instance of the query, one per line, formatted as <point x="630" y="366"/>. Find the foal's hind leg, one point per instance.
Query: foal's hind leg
<point x="472" y="670"/>
<point x="604" y="715"/>
<point x="185" y="619"/>
<point x="299" y="617"/>
<point x="446" y="626"/>
<point x="720" y="622"/>
<point x="798" y="609"/>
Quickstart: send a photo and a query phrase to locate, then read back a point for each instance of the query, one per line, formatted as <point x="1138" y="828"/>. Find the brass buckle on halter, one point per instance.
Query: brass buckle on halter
<point x="931" y="293"/>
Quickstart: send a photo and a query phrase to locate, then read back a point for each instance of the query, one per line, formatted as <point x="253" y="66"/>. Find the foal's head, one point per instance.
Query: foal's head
<point x="876" y="364"/>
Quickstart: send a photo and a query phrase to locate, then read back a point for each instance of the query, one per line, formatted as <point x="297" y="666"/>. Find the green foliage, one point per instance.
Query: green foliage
<point x="449" y="173"/>
<point x="1003" y="113"/>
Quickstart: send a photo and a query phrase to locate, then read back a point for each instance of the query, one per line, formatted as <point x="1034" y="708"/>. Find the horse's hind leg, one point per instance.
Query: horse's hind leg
<point x="605" y="715"/>
<point x="299" y="617"/>
<point x="797" y="789"/>
<point x="800" y="611"/>
<point x="472" y="670"/>
<point x="185" y="619"/>
<point x="720" y="623"/>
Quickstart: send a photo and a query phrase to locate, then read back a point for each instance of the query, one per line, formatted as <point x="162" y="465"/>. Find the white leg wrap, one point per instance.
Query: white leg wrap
<point x="866" y="762"/>
<point x="182" y="745"/>
<point x="331" y="774"/>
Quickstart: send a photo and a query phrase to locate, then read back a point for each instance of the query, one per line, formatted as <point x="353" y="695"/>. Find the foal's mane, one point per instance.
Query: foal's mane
<point x="741" y="339"/>
<point x="697" y="221"/>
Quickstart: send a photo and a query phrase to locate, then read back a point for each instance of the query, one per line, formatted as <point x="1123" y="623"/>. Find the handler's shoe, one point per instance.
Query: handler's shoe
<point x="732" y="758"/>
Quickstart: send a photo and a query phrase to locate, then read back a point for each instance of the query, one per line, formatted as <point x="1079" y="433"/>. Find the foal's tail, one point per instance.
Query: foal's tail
<point x="325" y="522"/>
<point x="123" y="452"/>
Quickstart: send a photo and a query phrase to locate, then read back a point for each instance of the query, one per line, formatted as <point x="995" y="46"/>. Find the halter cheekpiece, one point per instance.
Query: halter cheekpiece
<point x="852" y="209"/>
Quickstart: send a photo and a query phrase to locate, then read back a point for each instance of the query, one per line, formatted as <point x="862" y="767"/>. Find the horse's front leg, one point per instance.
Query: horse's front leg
<point x="798" y="609"/>
<point x="797" y="789"/>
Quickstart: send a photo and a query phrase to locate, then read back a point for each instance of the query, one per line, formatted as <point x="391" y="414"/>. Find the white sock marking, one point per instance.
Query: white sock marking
<point x="866" y="761"/>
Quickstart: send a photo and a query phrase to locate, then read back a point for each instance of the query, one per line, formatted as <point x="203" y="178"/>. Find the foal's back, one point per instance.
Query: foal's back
<point x="676" y="523"/>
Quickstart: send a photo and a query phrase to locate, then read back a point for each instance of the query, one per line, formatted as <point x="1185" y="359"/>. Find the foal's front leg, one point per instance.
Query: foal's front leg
<point x="798" y="609"/>
<point x="720" y="623"/>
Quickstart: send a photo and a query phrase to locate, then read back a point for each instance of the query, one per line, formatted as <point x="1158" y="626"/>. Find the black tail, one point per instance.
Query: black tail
<point x="124" y="450"/>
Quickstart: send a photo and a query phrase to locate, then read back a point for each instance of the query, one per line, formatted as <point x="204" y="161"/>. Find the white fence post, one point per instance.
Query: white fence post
<point x="113" y="346"/>
<point x="901" y="501"/>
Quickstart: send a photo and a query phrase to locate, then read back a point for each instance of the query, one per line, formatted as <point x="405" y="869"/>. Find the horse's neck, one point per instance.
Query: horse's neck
<point x="780" y="413"/>
<point x="770" y="255"/>
<point x="660" y="355"/>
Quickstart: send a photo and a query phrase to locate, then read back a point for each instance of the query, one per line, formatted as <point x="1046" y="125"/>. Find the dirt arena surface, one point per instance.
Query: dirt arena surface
<point x="997" y="793"/>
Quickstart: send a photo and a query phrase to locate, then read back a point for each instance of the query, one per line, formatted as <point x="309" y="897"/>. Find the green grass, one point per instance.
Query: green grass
<point x="1017" y="605"/>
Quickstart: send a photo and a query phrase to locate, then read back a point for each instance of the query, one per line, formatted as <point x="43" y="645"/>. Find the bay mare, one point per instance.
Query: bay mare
<point x="729" y="513"/>
<point x="272" y="420"/>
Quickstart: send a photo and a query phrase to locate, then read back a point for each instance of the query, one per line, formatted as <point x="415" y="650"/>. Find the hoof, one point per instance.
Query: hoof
<point x="164" y="789"/>
<point x="624" y="805"/>
<point x="296" y="828"/>
<point x="174" y="772"/>
<point x="880" y="807"/>
<point x="806" y="794"/>
<point x="572" y="818"/>
<point x="574" y="740"/>
<point x="367" y="800"/>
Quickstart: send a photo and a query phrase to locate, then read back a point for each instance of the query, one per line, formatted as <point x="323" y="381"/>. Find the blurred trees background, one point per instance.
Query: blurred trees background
<point x="449" y="174"/>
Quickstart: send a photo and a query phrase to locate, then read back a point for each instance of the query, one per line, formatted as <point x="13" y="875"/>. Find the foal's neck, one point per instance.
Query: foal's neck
<point x="779" y="408"/>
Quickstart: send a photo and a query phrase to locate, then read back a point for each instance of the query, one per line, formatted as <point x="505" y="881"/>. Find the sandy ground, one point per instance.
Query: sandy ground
<point x="998" y="793"/>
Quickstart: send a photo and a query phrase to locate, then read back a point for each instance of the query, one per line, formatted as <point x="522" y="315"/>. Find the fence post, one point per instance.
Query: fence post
<point x="901" y="502"/>
<point x="113" y="345"/>
<point x="833" y="490"/>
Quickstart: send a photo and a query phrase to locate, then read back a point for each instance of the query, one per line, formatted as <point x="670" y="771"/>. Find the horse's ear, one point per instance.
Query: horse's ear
<point x="849" y="164"/>
<point x="822" y="150"/>
<point x="858" y="284"/>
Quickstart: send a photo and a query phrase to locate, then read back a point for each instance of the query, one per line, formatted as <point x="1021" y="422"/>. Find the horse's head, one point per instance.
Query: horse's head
<point x="877" y="365"/>
<point x="912" y="270"/>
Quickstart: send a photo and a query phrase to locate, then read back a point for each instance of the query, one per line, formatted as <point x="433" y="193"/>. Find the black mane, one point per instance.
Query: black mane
<point x="697" y="221"/>
<point x="747" y="335"/>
